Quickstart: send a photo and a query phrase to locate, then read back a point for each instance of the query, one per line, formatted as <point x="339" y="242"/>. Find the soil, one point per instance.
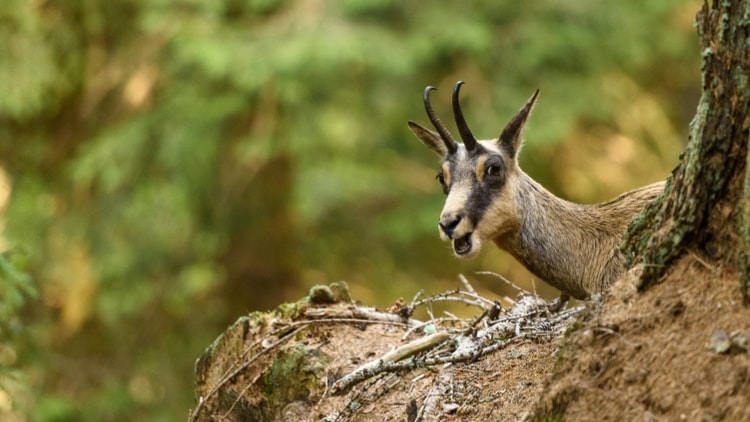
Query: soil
<point x="678" y="351"/>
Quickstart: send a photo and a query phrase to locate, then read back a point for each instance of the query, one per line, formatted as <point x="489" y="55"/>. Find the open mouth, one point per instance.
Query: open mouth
<point x="462" y="245"/>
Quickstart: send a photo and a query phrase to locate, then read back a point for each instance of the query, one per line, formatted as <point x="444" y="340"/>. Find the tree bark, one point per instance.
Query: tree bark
<point x="704" y="208"/>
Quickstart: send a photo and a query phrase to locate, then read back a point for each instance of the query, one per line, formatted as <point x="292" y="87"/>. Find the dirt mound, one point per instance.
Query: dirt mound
<point x="679" y="351"/>
<point x="325" y="358"/>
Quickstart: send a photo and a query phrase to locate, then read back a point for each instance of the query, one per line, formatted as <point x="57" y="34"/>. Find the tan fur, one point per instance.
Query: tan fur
<point x="573" y="247"/>
<point x="480" y="168"/>
<point x="446" y="173"/>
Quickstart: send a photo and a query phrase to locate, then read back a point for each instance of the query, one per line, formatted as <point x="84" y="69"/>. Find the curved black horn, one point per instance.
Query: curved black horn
<point x="463" y="129"/>
<point x="445" y="135"/>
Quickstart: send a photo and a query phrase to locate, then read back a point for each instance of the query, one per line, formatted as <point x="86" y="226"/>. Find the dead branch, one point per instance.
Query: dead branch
<point x="376" y="366"/>
<point x="366" y="314"/>
<point x="529" y="318"/>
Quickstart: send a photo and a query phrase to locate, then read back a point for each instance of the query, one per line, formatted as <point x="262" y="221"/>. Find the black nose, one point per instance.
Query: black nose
<point x="449" y="225"/>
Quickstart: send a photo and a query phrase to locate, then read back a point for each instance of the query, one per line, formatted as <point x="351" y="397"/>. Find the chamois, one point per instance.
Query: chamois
<point x="573" y="247"/>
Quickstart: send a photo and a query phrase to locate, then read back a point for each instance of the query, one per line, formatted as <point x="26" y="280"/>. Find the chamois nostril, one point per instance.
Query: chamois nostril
<point x="449" y="225"/>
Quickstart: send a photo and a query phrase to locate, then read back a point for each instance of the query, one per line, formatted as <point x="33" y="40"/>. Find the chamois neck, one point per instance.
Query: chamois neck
<point x="547" y="219"/>
<point x="555" y="237"/>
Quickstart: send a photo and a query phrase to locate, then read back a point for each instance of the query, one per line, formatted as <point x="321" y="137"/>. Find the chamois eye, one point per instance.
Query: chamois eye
<point x="493" y="170"/>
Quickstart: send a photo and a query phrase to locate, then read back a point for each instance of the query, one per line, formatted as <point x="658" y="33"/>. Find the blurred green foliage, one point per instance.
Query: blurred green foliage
<point x="173" y="164"/>
<point x="15" y="289"/>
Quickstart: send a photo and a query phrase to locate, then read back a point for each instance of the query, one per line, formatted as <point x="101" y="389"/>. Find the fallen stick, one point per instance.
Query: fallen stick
<point x="376" y="366"/>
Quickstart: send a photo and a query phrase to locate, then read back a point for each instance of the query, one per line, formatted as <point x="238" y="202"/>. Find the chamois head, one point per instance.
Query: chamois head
<point x="477" y="176"/>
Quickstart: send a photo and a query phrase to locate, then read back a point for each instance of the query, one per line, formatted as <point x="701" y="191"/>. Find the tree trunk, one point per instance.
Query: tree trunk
<point x="704" y="208"/>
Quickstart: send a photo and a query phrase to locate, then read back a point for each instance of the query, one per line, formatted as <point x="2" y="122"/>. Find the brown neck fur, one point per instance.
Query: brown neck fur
<point x="575" y="248"/>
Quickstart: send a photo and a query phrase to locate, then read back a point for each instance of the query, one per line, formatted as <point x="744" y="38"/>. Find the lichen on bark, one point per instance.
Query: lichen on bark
<point x="744" y="233"/>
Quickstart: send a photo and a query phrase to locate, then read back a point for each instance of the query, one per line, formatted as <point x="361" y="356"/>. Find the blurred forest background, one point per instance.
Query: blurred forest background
<point x="167" y="166"/>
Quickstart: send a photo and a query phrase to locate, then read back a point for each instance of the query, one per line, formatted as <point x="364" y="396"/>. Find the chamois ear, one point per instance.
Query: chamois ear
<point x="512" y="136"/>
<point x="429" y="138"/>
